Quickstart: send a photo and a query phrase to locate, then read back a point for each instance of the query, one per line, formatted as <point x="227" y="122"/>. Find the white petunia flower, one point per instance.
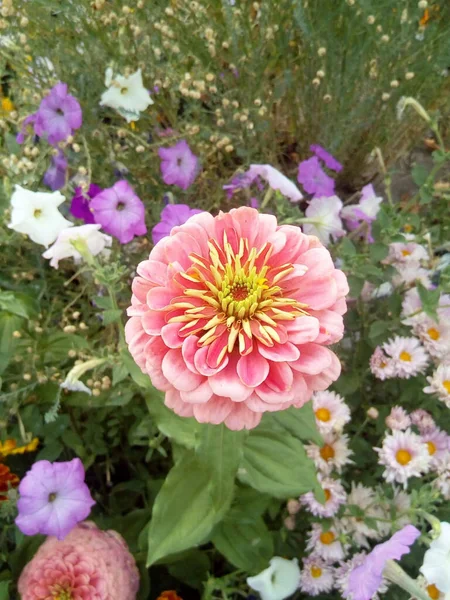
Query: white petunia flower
<point x="410" y="273"/>
<point x="406" y="253"/>
<point x="36" y="214"/>
<point x="326" y="544"/>
<point x="280" y="580"/>
<point x="331" y="411"/>
<point x="404" y="455"/>
<point x="408" y="356"/>
<point x="440" y="384"/>
<point x="126" y="95"/>
<point x="323" y="220"/>
<point x="77" y="243"/>
<point x="436" y="563"/>
<point x="277" y="181"/>
<point x="334" y="454"/>
<point x="431" y="589"/>
<point x="72" y="381"/>
<point x="317" y="576"/>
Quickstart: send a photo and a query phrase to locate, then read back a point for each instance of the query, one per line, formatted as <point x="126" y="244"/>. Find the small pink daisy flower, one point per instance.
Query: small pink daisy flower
<point x="335" y="495"/>
<point x="404" y="455"/>
<point x="332" y="414"/>
<point x="381" y="365"/>
<point x="437" y="442"/>
<point x="440" y="384"/>
<point x="326" y="544"/>
<point x="408" y="356"/>
<point x="423" y="420"/>
<point x="442" y="482"/>
<point x="398" y="418"/>
<point x="434" y="336"/>
<point x="410" y="252"/>
<point x="334" y="454"/>
<point x="317" y="576"/>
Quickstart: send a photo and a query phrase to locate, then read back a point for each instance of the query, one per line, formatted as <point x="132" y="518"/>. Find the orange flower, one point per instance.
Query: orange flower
<point x="10" y="447"/>
<point x="7" y="480"/>
<point x="169" y="595"/>
<point x="425" y="18"/>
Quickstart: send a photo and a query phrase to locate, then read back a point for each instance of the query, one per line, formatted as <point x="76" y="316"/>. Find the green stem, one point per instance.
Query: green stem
<point x="267" y="198"/>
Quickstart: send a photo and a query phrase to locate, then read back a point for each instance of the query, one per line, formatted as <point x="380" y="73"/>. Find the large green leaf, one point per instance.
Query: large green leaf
<point x="179" y="429"/>
<point x="247" y="545"/>
<point x="4" y="593"/>
<point x="276" y="463"/>
<point x="184" y="512"/>
<point x="18" y="304"/>
<point x="300" y="422"/>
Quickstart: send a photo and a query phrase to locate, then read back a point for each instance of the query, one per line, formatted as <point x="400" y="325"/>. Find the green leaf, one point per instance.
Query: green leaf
<point x="8" y="324"/>
<point x="185" y="511"/>
<point x="300" y="422"/>
<point x="356" y="285"/>
<point x="378" y="251"/>
<point x="419" y="174"/>
<point x="429" y="299"/>
<point x="102" y="302"/>
<point x="136" y="374"/>
<point x="119" y="373"/>
<point x="248" y="546"/>
<point x="348" y="247"/>
<point x="276" y="464"/>
<point x="18" y="304"/>
<point x="111" y="316"/>
<point x="192" y="568"/>
<point x="378" y="330"/>
<point x="4" y="590"/>
<point x="57" y="345"/>
<point x="182" y="430"/>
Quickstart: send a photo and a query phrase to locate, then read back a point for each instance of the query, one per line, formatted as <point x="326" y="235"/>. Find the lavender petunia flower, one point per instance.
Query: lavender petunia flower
<point x="53" y="498"/>
<point x="326" y="157"/>
<point x="26" y="129"/>
<point x="364" y="212"/>
<point x="120" y="212"/>
<point x="81" y="202"/>
<point x="59" y="114"/>
<point x="314" y="179"/>
<point x="55" y="175"/>
<point x="171" y="216"/>
<point x="179" y="165"/>
<point x="365" y="579"/>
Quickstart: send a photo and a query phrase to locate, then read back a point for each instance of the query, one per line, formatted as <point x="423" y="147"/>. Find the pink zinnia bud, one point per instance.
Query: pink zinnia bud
<point x="89" y="563"/>
<point x="231" y="316"/>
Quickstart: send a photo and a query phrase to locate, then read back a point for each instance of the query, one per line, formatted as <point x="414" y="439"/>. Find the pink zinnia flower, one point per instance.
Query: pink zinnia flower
<point x="231" y="314"/>
<point x="89" y="564"/>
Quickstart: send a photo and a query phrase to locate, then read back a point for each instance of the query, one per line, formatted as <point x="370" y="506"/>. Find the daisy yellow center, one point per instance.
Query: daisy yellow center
<point x="446" y="384"/>
<point x="232" y="298"/>
<point x="433" y="592"/>
<point x="323" y="414"/>
<point x="327" y="495"/>
<point x="433" y="333"/>
<point x="37" y="213"/>
<point x="316" y="572"/>
<point x="406" y="253"/>
<point x="431" y="448"/>
<point x="403" y="457"/>
<point x="327" y="452"/>
<point x="408" y="228"/>
<point x="405" y="356"/>
<point x="327" y="537"/>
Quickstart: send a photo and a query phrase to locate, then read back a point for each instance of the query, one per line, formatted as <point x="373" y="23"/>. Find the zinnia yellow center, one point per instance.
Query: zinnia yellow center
<point x="446" y="384"/>
<point x="405" y="356"/>
<point x="316" y="571"/>
<point x="327" y="452"/>
<point x="323" y="414"/>
<point x="403" y="457"/>
<point x="327" y="537"/>
<point x="60" y="593"/>
<point x="240" y="298"/>
<point x="433" y="333"/>
<point x="433" y="592"/>
<point x="431" y="448"/>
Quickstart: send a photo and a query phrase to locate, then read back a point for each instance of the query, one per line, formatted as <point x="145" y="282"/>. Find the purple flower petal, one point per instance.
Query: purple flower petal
<point x="314" y="179"/>
<point x="171" y="216"/>
<point x="59" y="114"/>
<point x="179" y="165"/>
<point x="326" y="157"/>
<point x="80" y="203"/>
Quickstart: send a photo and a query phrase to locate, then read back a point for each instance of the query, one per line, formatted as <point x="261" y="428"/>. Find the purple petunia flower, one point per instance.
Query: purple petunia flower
<point x="172" y="215"/>
<point x="365" y="579"/>
<point x="81" y="202"/>
<point x="25" y="128"/>
<point x="120" y="212"/>
<point x="59" y="114"/>
<point x="314" y="179"/>
<point x="53" y="498"/>
<point x="179" y="165"/>
<point x="326" y="157"/>
<point x="55" y="175"/>
<point x="364" y="212"/>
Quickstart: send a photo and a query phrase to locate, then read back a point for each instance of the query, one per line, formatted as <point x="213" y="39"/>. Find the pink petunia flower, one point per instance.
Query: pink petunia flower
<point x="329" y="160"/>
<point x="179" y="165"/>
<point x="230" y="317"/>
<point x="89" y="564"/>
<point x="314" y="179"/>
<point x="53" y="498"/>
<point x="343" y="571"/>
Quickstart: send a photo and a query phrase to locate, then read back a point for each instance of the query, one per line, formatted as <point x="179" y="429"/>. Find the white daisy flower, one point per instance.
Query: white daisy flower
<point x="436" y="562"/>
<point x="404" y="253"/>
<point x="398" y="418"/>
<point x="334" y="454"/>
<point x="317" y="576"/>
<point x="437" y="442"/>
<point x="36" y="214"/>
<point x="404" y="455"/>
<point x="423" y="420"/>
<point x="381" y="366"/>
<point x="326" y="544"/>
<point x="442" y="481"/>
<point x="335" y="495"/>
<point x="408" y="356"/>
<point x="401" y="504"/>
<point x="126" y="95"/>
<point x="434" y="336"/>
<point x="364" y="498"/>
<point x="278" y="581"/>
<point x="331" y="411"/>
<point x="409" y="273"/>
<point x="440" y="384"/>
<point x="342" y="573"/>
<point x="77" y="243"/>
